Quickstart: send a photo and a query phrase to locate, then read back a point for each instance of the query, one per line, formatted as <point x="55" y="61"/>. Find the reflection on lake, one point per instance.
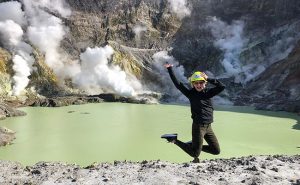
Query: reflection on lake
<point x="84" y="134"/>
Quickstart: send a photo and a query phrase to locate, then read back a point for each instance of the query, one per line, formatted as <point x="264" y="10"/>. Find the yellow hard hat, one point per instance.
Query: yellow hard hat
<point x="197" y="76"/>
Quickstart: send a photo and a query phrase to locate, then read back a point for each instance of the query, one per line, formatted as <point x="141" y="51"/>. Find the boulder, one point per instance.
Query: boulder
<point x="7" y="111"/>
<point x="6" y="136"/>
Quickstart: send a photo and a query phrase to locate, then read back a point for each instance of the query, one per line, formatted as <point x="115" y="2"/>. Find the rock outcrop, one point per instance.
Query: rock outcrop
<point x="278" y="88"/>
<point x="94" y="23"/>
<point x="6" y="136"/>
<point x="5" y="71"/>
<point x="80" y="99"/>
<point x="9" y="111"/>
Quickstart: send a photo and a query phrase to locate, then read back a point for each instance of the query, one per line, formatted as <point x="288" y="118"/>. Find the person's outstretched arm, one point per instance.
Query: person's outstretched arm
<point x="219" y="87"/>
<point x="177" y="84"/>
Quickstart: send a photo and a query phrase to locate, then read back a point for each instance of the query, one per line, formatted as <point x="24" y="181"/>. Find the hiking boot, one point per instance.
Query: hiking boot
<point x="189" y="142"/>
<point x="196" y="160"/>
<point x="170" y="137"/>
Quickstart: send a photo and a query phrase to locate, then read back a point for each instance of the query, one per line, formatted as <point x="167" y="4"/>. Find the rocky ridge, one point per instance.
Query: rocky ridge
<point x="283" y="170"/>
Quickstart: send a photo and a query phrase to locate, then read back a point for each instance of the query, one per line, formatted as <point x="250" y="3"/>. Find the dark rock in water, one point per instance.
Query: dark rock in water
<point x="77" y="100"/>
<point x="64" y="101"/>
<point x="109" y="97"/>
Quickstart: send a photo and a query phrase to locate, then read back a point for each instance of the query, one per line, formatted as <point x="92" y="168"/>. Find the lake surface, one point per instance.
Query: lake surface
<point x="105" y="132"/>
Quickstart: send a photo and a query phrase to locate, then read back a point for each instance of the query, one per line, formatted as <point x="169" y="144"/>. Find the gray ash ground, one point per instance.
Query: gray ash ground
<point x="252" y="170"/>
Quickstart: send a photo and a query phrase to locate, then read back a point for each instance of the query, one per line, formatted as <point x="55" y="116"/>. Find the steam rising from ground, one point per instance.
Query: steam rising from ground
<point x="11" y="33"/>
<point x="281" y="49"/>
<point x="160" y="58"/>
<point x="45" y="31"/>
<point x="180" y="8"/>
<point x="22" y="70"/>
<point x="230" y="39"/>
<point x="12" y="11"/>
<point x="138" y="30"/>
<point x="97" y="75"/>
<point x="11" y="19"/>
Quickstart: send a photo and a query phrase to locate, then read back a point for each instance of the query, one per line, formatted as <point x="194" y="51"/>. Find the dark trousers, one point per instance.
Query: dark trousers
<point x="200" y="132"/>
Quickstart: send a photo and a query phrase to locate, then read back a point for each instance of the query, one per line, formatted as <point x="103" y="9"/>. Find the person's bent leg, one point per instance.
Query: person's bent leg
<point x="185" y="147"/>
<point x="194" y="148"/>
<point x="213" y="146"/>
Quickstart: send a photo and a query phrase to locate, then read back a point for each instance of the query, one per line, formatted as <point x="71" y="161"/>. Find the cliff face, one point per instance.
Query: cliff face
<point x="245" y="44"/>
<point x="5" y="71"/>
<point x="94" y="23"/>
<point x="264" y="23"/>
<point x="278" y="87"/>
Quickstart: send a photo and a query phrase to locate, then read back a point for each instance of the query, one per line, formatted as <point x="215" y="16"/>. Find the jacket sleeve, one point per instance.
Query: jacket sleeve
<point x="178" y="84"/>
<point x="219" y="87"/>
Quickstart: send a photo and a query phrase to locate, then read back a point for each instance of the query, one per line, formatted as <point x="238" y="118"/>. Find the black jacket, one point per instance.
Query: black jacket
<point x="201" y="104"/>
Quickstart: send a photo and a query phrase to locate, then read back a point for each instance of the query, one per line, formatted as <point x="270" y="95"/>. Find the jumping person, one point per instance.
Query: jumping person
<point x="202" y="114"/>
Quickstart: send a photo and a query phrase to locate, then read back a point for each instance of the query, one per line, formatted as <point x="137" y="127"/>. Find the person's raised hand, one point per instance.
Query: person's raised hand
<point x="204" y="75"/>
<point x="167" y="65"/>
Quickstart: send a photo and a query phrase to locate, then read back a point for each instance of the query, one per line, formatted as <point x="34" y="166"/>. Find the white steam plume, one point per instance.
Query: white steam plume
<point x="160" y="58"/>
<point x="97" y="76"/>
<point x="281" y="49"/>
<point x="47" y="38"/>
<point x="44" y="30"/>
<point x="12" y="11"/>
<point x="35" y="8"/>
<point x="11" y="37"/>
<point x="59" y="6"/>
<point x="22" y="70"/>
<point x="229" y="38"/>
<point x="11" y="33"/>
<point x="47" y="31"/>
<point x="138" y="30"/>
<point x="179" y="7"/>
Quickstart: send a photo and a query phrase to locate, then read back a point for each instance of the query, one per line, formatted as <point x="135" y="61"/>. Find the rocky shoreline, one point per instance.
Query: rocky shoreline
<point x="250" y="170"/>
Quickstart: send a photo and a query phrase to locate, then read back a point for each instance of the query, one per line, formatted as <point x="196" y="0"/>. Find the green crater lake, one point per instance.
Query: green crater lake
<point x="106" y="132"/>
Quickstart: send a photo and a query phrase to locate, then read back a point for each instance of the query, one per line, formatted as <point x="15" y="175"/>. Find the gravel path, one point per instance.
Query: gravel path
<point x="246" y="170"/>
